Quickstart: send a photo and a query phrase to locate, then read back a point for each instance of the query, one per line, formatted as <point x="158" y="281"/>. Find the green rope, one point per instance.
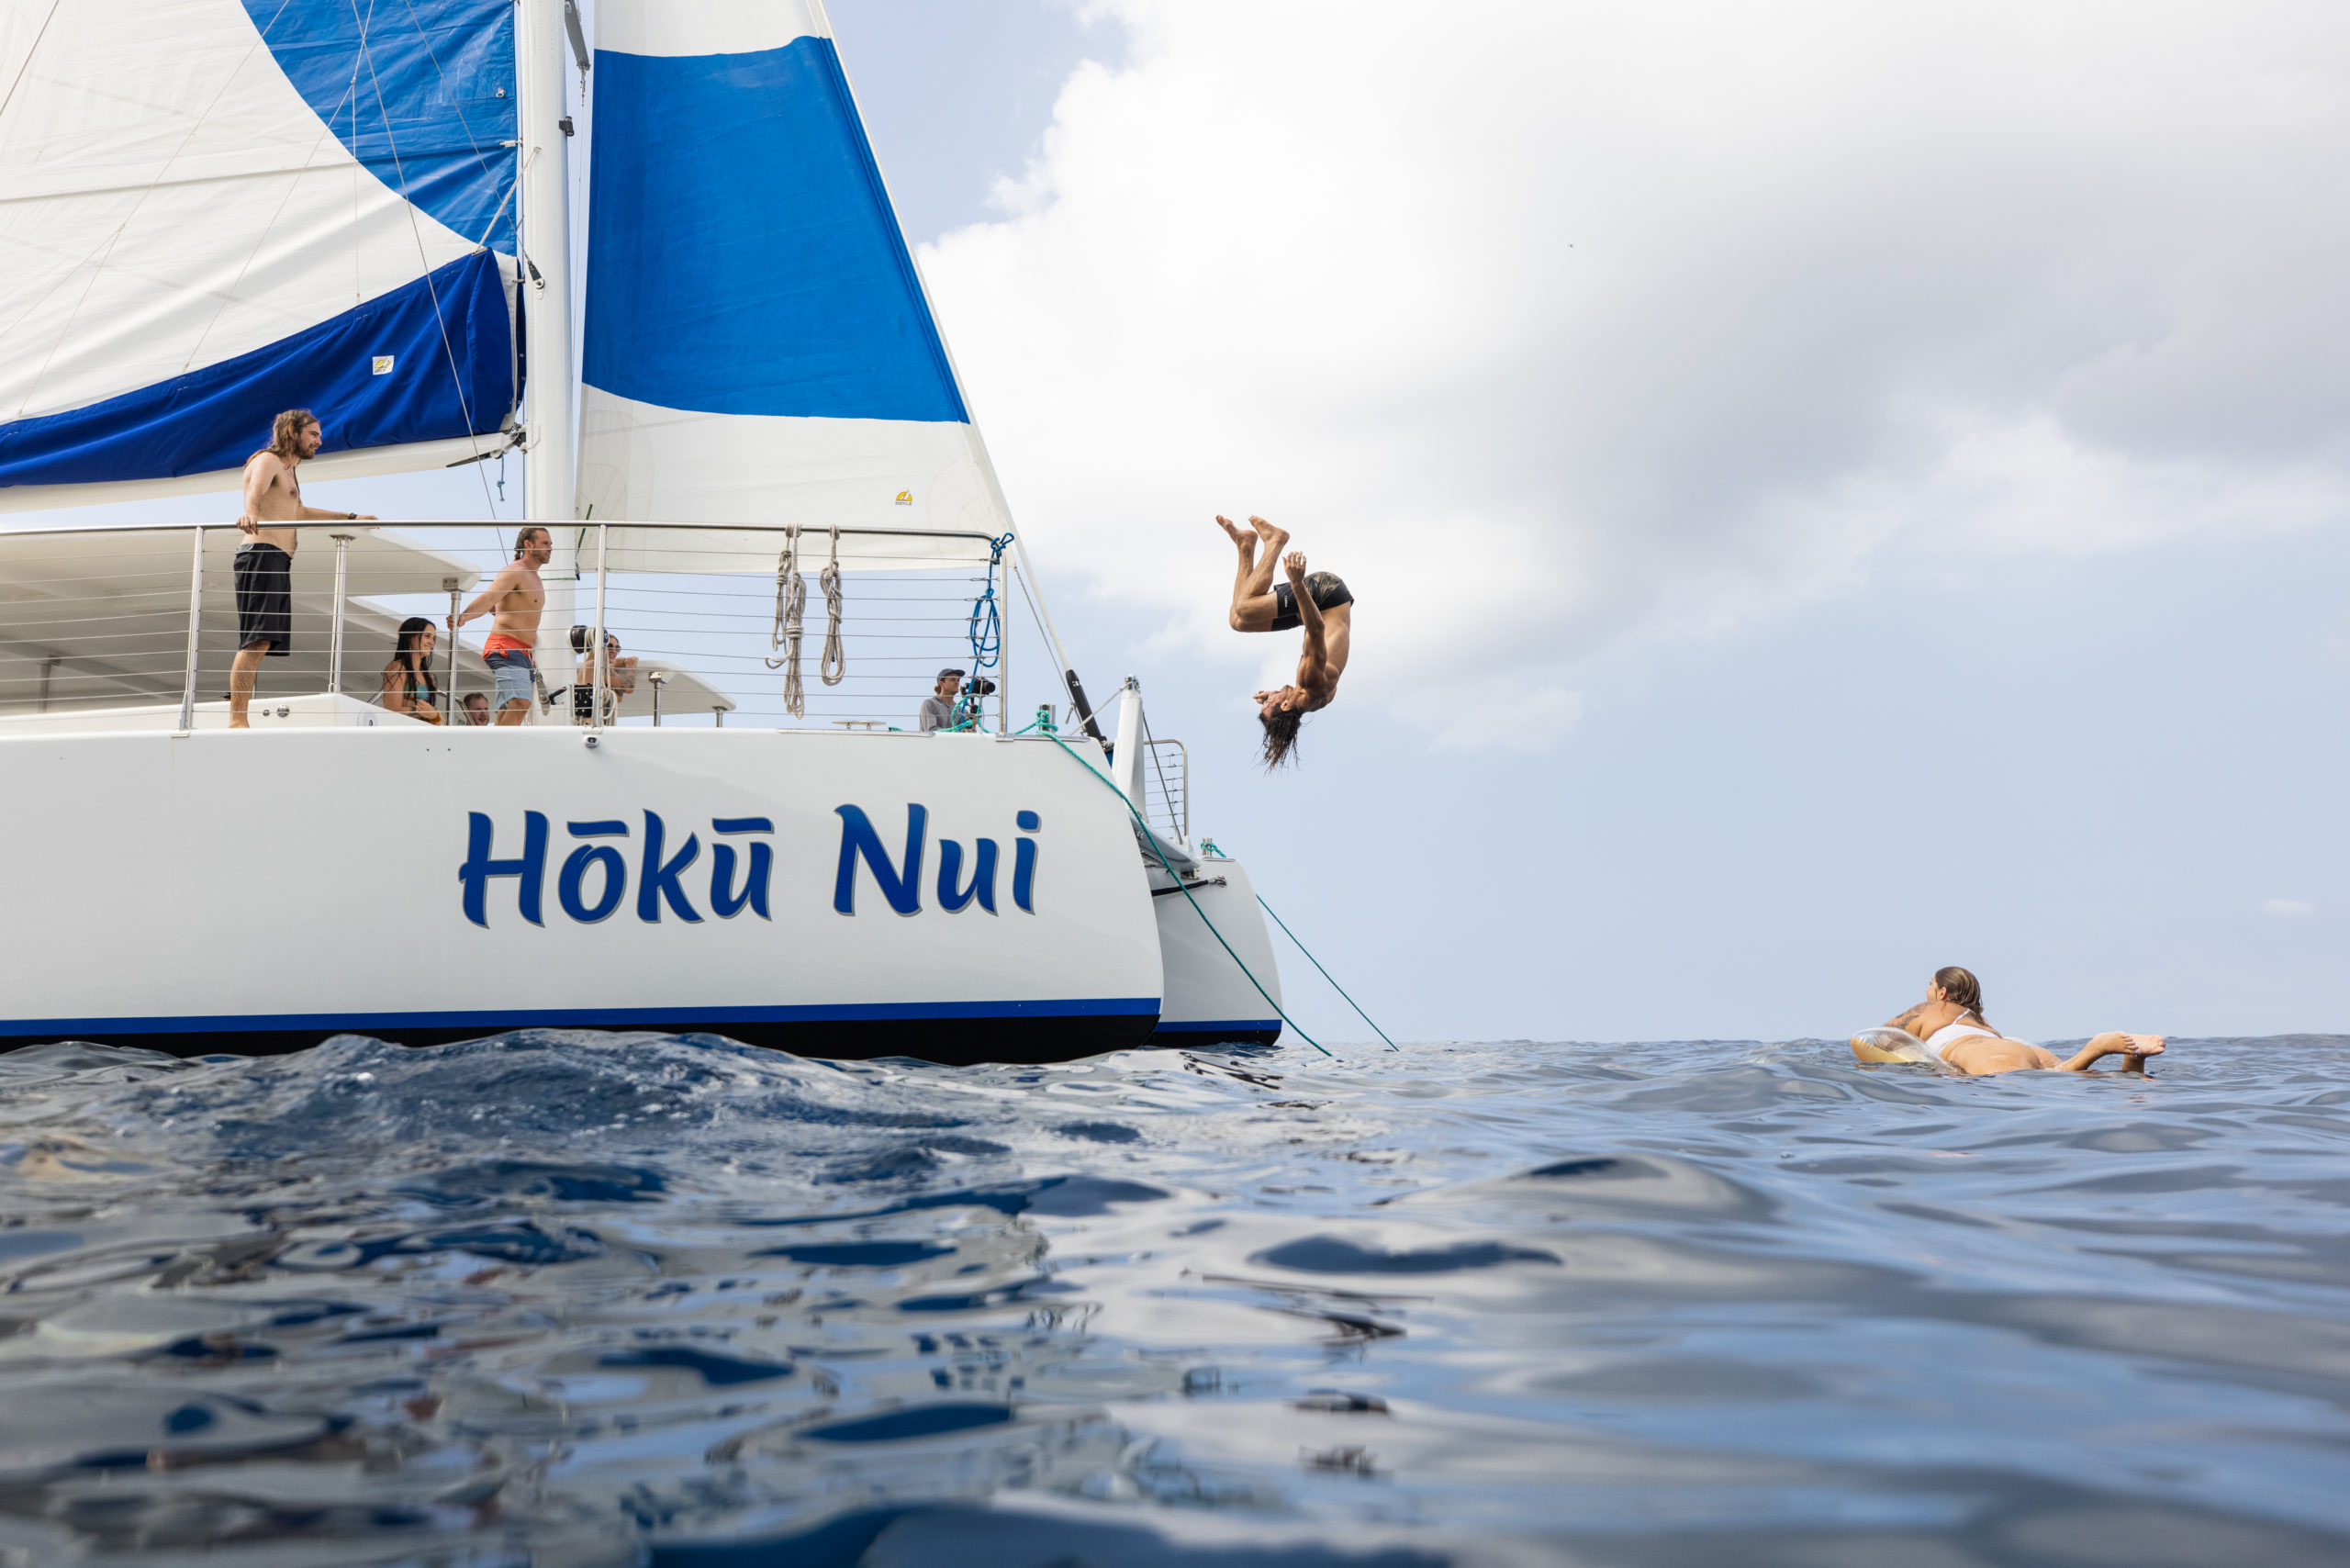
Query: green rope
<point x="1152" y="839"/>
<point x="1327" y="975"/>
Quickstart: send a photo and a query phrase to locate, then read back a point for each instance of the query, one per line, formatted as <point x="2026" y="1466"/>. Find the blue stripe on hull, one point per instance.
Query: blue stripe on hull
<point x="592" y="1018"/>
<point x="741" y="254"/>
<point x="1234" y="1026"/>
<point x="215" y="418"/>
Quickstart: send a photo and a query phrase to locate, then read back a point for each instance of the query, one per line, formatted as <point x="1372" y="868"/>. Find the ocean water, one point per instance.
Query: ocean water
<point x="584" y="1299"/>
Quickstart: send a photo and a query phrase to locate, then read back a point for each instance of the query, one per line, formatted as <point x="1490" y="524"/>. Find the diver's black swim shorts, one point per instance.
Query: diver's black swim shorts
<point x="1329" y="591"/>
<point x="265" y="579"/>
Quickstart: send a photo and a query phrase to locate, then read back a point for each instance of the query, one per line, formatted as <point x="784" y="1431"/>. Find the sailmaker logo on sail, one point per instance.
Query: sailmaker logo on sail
<point x="592" y="882"/>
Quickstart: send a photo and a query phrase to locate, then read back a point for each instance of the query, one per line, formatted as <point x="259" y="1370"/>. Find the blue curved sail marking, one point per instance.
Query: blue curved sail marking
<point x="741" y="254"/>
<point x="421" y="92"/>
<point x="215" y="418"/>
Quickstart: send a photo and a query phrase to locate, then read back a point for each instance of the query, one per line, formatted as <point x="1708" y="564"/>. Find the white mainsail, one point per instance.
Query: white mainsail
<point x="212" y="210"/>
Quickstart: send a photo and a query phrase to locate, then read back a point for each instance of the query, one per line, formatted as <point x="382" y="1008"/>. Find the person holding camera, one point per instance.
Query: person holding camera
<point x="938" y="707"/>
<point x="954" y="702"/>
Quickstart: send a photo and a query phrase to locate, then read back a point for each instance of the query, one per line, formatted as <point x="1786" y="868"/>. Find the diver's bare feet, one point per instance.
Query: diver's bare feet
<point x="2141" y="1046"/>
<point x="1275" y="538"/>
<point x="1240" y="536"/>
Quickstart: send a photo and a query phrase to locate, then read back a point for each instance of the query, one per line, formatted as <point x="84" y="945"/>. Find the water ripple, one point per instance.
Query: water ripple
<point x="591" y="1299"/>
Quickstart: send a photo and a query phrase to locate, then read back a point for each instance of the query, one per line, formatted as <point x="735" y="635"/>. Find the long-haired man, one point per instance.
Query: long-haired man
<point x="264" y="567"/>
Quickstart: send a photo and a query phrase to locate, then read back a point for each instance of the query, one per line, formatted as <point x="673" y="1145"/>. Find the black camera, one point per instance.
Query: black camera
<point x="979" y="685"/>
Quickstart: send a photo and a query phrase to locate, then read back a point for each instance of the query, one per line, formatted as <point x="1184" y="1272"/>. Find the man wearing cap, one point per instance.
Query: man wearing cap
<point x="938" y="707"/>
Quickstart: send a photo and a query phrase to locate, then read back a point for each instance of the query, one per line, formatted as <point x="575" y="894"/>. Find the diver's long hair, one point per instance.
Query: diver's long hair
<point x="410" y="652"/>
<point x="1280" y="734"/>
<point x="1961" y="987"/>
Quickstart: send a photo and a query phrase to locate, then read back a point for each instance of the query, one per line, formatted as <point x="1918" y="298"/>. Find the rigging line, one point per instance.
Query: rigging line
<point x="359" y="176"/>
<point x="512" y="186"/>
<point x="1326" y="975"/>
<point x="833" y="666"/>
<point x="456" y="105"/>
<point x="1152" y="839"/>
<point x="791" y="606"/>
<point x="27" y="65"/>
<point x="1029" y="599"/>
<point x="448" y="353"/>
<point x="326" y="129"/>
<point x="97" y="262"/>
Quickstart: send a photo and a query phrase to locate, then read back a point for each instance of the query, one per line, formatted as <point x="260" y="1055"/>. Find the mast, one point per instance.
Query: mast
<point x="545" y="153"/>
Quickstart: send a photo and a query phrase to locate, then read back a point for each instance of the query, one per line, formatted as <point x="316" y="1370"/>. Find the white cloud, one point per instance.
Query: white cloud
<point x="1554" y="323"/>
<point x="2288" y="909"/>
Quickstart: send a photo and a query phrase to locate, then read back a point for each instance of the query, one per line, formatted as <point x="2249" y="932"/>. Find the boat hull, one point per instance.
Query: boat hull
<point x="1204" y="941"/>
<point x="254" y="893"/>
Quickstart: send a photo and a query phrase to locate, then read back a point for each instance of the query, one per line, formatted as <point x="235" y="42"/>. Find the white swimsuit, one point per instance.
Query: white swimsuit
<point x="1949" y="1035"/>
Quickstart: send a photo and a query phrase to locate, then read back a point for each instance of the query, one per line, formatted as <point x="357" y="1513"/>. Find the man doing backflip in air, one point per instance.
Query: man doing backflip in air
<point x="1320" y="603"/>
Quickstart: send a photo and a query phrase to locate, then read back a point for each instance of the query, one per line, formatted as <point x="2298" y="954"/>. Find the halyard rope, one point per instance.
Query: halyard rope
<point x="790" y="603"/>
<point x="987" y="641"/>
<point x="833" y="667"/>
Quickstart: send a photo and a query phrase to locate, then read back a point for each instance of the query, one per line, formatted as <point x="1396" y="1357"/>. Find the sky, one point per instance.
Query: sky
<point x="1832" y="489"/>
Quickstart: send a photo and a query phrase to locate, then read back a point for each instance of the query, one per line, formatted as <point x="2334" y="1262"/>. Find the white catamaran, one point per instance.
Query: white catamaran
<point x="211" y="211"/>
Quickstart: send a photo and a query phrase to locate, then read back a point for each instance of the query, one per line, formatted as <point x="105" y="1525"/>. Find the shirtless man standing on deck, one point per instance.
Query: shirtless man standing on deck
<point x="512" y="600"/>
<point x="1321" y="603"/>
<point x="264" y="567"/>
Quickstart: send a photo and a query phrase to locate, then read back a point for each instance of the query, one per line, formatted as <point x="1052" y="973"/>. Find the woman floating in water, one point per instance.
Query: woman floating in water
<point x="1320" y="603"/>
<point x="1949" y="1027"/>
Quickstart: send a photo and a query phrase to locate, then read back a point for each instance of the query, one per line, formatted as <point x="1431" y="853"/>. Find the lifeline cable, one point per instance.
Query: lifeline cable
<point x="1326" y="975"/>
<point x="834" y="665"/>
<point x="1152" y="839"/>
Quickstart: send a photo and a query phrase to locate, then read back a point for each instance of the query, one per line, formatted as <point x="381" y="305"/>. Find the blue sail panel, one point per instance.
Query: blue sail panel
<point x="421" y="94"/>
<point x="430" y="361"/>
<point x="742" y="255"/>
<point x="219" y="209"/>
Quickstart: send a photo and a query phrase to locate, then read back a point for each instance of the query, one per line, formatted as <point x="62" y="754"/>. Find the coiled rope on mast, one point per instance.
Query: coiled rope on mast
<point x="833" y="667"/>
<point x="987" y="639"/>
<point x="791" y="604"/>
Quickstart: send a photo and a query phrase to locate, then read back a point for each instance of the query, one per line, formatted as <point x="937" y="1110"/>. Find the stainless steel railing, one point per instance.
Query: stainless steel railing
<point x="1167" y="788"/>
<point x="104" y="618"/>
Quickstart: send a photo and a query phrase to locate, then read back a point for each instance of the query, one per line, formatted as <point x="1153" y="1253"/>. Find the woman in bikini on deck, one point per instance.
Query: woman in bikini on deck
<point x="1949" y="1025"/>
<point x="1321" y="603"/>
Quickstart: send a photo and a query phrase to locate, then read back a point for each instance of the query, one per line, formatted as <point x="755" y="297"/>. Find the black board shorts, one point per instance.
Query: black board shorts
<point x="1329" y="591"/>
<point x="265" y="579"/>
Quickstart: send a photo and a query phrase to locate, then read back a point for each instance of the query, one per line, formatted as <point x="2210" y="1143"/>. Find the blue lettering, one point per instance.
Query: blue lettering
<point x="858" y="837"/>
<point x="723" y="899"/>
<point x="950" y="867"/>
<point x="656" y="881"/>
<point x="531" y="870"/>
<point x="575" y="871"/>
<point x="1023" y="873"/>
<point x="1023" y="861"/>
